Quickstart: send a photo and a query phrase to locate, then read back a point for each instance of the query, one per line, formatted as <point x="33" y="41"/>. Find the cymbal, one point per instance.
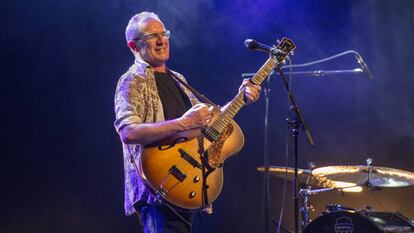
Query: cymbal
<point x="307" y="177"/>
<point x="304" y="175"/>
<point x="366" y="175"/>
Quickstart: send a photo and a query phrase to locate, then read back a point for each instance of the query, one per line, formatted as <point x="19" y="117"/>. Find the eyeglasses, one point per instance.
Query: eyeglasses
<point x="154" y="36"/>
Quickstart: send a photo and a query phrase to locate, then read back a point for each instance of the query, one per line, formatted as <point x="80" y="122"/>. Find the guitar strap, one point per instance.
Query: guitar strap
<point x="194" y="91"/>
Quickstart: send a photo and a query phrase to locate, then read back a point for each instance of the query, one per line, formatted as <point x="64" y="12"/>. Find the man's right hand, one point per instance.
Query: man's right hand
<point x="196" y="117"/>
<point x="145" y="133"/>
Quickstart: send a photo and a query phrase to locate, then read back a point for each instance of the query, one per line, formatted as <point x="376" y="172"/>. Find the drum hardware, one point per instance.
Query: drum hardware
<point x="307" y="207"/>
<point x="336" y="207"/>
<point x="306" y="176"/>
<point x="349" y="179"/>
<point x="352" y="177"/>
<point x="349" y="220"/>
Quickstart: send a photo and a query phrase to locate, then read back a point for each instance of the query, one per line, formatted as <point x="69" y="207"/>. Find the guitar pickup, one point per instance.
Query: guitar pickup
<point x="211" y="134"/>
<point x="177" y="173"/>
<point x="187" y="157"/>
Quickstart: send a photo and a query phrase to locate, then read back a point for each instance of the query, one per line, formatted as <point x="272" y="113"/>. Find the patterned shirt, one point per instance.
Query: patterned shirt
<point x="137" y="101"/>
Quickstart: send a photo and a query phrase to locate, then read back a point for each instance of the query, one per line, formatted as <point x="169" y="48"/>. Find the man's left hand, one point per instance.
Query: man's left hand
<point x="251" y="91"/>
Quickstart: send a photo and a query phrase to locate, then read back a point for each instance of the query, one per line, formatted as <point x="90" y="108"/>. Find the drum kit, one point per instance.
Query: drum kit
<point x="341" y="219"/>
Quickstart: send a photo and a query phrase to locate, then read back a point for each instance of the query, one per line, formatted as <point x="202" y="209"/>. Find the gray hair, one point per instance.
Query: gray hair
<point x="132" y="30"/>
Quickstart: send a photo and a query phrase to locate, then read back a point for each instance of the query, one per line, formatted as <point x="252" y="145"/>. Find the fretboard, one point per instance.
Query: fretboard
<point x="238" y="102"/>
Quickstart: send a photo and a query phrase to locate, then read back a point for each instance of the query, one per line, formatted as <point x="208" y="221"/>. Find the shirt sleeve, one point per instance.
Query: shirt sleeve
<point x="129" y="102"/>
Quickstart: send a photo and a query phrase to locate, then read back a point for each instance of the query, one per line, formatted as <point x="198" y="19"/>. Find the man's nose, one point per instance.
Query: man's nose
<point x="159" y="38"/>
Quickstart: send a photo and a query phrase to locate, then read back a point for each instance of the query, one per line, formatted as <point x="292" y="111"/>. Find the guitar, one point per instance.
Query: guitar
<point x="186" y="168"/>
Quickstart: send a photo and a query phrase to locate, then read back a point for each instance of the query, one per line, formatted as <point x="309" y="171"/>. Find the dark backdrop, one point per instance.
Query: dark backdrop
<point x="61" y="167"/>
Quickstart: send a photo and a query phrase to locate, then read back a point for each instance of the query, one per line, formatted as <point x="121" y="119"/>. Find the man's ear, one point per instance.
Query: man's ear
<point x="132" y="45"/>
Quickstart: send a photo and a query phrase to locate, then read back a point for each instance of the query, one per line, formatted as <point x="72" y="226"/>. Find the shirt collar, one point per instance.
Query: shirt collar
<point x="139" y="61"/>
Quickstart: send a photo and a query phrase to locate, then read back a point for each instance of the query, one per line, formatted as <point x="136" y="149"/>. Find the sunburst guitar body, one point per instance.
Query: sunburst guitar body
<point x="176" y="172"/>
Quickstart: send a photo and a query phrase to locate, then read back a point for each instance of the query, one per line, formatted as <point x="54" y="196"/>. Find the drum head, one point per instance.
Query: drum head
<point x="342" y="222"/>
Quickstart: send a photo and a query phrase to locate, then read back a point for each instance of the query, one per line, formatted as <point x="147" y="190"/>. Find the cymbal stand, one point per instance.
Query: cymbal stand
<point x="307" y="207"/>
<point x="368" y="183"/>
<point x="305" y="193"/>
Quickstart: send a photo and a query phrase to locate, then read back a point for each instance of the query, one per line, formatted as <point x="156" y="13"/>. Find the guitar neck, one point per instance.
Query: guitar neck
<point x="238" y="102"/>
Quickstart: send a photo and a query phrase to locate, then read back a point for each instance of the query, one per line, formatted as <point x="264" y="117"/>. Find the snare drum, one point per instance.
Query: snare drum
<point x="360" y="222"/>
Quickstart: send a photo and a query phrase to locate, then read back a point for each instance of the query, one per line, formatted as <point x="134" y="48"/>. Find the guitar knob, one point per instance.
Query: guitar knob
<point x="192" y="194"/>
<point x="196" y="179"/>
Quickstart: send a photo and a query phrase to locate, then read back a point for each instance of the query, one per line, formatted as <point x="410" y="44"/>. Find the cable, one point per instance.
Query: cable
<point x="378" y="201"/>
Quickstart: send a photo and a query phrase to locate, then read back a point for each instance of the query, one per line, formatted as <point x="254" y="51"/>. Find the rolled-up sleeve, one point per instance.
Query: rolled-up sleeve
<point x="129" y="102"/>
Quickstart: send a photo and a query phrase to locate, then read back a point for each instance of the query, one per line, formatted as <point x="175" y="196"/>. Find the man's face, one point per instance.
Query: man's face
<point x="154" y="51"/>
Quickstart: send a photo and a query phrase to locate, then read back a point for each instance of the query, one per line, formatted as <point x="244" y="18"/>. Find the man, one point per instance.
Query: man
<point x="151" y="105"/>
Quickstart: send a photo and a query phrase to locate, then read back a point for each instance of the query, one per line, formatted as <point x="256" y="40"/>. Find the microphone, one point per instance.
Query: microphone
<point x="254" y="45"/>
<point x="364" y="66"/>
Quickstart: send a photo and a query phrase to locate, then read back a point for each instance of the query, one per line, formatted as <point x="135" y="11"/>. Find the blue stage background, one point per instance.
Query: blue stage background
<point x="61" y="166"/>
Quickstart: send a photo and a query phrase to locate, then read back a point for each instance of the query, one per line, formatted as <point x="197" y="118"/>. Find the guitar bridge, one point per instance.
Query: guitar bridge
<point x="162" y="192"/>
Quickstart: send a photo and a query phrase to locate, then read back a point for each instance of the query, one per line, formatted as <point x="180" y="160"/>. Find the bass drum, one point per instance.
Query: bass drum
<point x="360" y="222"/>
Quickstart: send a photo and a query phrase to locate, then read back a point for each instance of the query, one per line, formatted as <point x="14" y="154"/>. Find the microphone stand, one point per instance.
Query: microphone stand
<point x="315" y="73"/>
<point x="295" y="124"/>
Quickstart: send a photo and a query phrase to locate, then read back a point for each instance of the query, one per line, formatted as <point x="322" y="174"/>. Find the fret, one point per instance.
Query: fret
<point x="226" y="119"/>
<point x="232" y="111"/>
<point x="238" y="102"/>
<point x="264" y="71"/>
<point x="258" y="77"/>
<point x="234" y="106"/>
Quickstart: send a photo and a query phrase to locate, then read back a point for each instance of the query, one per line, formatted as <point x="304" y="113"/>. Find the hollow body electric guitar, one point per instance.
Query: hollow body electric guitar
<point x="186" y="169"/>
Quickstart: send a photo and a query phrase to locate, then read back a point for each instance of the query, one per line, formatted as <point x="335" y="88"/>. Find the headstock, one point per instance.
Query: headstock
<point x="283" y="49"/>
